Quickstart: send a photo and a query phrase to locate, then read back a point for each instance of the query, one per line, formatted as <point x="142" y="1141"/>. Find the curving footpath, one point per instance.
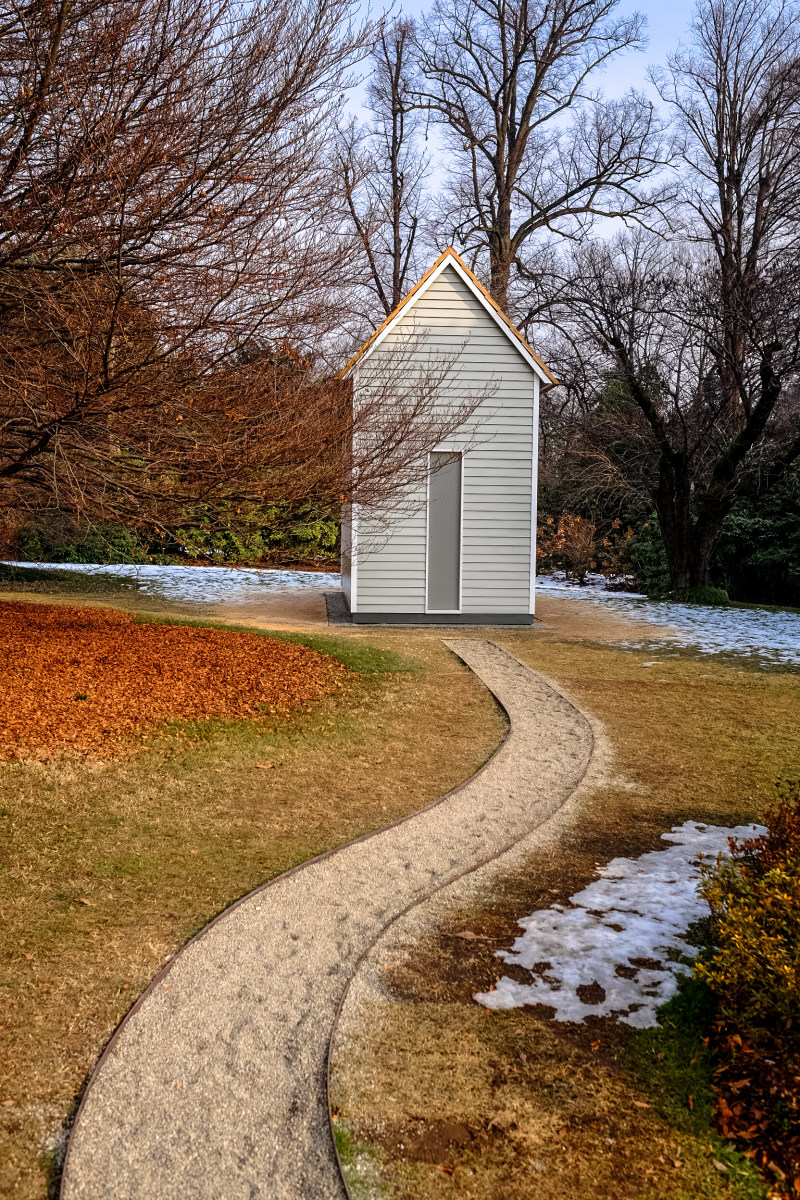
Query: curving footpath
<point x="215" y="1084"/>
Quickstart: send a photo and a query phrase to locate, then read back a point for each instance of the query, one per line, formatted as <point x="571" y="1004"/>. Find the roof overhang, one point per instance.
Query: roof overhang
<point x="451" y="259"/>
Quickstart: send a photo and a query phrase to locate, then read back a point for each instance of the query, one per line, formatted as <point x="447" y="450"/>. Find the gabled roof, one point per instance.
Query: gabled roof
<point x="451" y="259"/>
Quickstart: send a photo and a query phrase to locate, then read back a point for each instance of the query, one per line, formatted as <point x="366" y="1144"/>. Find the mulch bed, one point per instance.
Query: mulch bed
<point x="87" y="679"/>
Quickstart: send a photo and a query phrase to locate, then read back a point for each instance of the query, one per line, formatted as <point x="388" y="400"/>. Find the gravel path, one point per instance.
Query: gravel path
<point x="215" y="1084"/>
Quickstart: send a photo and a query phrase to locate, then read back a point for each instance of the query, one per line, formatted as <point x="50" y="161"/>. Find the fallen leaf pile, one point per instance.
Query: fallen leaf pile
<point x="87" y="678"/>
<point x="758" y="1108"/>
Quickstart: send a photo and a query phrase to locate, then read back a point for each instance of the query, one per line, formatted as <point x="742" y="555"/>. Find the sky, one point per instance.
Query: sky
<point x="667" y="23"/>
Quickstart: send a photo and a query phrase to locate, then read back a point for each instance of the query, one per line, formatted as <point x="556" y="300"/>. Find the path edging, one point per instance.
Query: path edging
<point x="161" y="975"/>
<point x="464" y="874"/>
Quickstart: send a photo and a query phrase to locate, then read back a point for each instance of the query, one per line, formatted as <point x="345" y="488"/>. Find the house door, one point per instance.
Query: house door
<point x="444" y="532"/>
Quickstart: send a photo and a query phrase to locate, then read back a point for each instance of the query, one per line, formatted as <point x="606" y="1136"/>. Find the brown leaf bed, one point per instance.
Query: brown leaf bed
<point x="88" y="679"/>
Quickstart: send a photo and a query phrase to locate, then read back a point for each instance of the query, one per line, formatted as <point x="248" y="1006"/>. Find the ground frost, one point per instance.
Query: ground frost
<point x="616" y="950"/>
<point x="773" y="637"/>
<point x="198" y="585"/>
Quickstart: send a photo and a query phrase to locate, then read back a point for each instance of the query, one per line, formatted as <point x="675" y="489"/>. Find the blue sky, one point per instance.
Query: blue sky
<point x="667" y="23"/>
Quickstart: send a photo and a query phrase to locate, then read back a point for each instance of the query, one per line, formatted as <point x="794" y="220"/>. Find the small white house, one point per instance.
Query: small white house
<point x="461" y="548"/>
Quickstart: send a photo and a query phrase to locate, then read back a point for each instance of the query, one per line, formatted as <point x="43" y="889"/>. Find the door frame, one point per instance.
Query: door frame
<point x="454" y="450"/>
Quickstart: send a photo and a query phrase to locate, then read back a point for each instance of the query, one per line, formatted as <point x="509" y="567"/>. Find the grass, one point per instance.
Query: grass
<point x="552" y="1111"/>
<point x="51" y="580"/>
<point x="359" y="1164"/>
<point x="359" y="657"/>
<point x="108" y="867"/>
<point x="673" y="1065"/>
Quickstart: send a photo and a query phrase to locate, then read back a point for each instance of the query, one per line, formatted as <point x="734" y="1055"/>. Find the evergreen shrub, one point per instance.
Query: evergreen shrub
<point x="753" y="968"/>
<point x="701" y="595"/>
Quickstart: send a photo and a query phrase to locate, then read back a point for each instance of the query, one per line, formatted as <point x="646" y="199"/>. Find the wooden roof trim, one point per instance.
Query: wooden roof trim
<point x="494" y="309"/>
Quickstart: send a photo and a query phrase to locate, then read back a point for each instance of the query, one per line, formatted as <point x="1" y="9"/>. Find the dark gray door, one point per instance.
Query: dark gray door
<point x="444" y="532"/>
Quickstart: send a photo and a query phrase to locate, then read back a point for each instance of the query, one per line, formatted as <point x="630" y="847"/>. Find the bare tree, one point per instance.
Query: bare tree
<point x="269" y="427"/>
<point x="736" y="93"/>
<point x="382" y="169"/>
<point x="689" y="350"/>
<point x="536" y="151"/>
<point x="163" y="190"/>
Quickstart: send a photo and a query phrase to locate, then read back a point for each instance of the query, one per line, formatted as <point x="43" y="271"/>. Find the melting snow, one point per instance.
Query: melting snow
<point x="198" y="585"/>
<point x="772" y="636"/>
<point x="638" y="910"/>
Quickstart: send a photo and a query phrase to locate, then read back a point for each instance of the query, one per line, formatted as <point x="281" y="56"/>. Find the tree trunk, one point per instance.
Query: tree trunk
<point x="500" y="270"/>
<point x="690" y="567"/>
<point x="501" y="253"/>
<point x="689" y="542"/>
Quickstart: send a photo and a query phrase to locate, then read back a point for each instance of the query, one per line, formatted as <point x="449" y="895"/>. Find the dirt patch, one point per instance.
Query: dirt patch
<point x="428" y="1142"/>
<point x="298" y="609"/>
<point x="86" y="679"/>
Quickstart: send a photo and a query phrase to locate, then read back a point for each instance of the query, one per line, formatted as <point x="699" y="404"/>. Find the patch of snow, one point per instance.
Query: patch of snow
<point x="639" y="909"/>
<point x="774" y="637"/>
<point x="593" y="584"/>
<point x="198" y="585"/>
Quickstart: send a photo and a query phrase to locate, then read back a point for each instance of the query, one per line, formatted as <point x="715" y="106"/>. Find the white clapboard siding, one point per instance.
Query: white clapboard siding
<point x="448" y="322"/>
<point x="391" y="568"/>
